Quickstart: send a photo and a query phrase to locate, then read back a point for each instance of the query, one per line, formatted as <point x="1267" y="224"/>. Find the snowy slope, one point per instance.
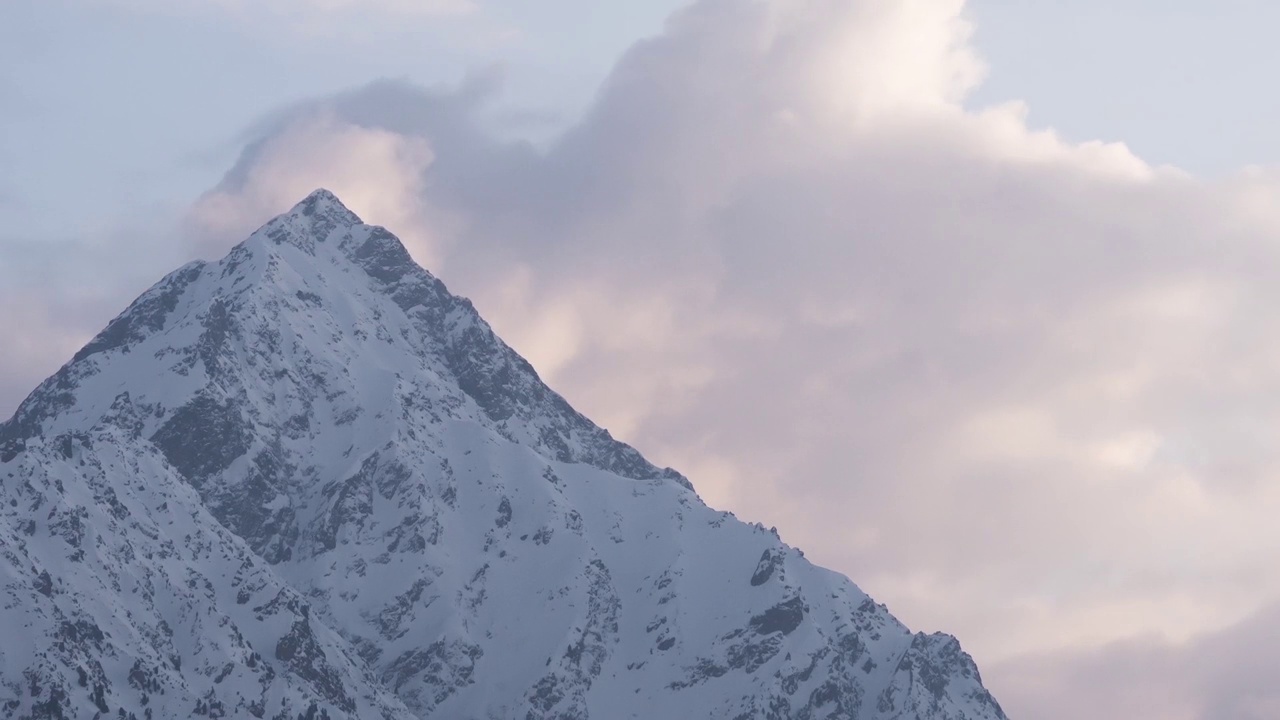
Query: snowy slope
<point x="308" y="475"/>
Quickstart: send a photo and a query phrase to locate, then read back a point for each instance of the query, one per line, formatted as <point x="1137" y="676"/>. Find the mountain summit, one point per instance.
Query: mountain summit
<point x="307" y="481"/>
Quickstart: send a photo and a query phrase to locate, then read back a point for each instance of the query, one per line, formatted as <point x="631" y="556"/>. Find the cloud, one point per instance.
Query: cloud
<point x="778" y="248"/>
<point x="1225" y="675"/>
<point x="378" y="172"/>
<point x="1021" y="389"/>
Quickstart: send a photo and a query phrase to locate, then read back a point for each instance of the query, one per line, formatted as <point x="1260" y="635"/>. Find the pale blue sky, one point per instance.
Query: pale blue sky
<point x="122" y="106"/>
<point x="125" y="107"/>
<point x="1186" y="82"/>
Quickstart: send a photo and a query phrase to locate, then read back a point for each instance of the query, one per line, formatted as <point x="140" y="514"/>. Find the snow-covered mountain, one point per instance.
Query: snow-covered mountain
<point x="306" y="481"/>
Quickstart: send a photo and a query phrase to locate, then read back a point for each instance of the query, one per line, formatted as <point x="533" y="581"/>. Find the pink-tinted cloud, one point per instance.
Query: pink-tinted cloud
<point x="1228" y="674"/>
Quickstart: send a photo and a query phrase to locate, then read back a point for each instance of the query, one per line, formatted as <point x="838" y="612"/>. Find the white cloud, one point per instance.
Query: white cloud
<point x="379" y="175"/>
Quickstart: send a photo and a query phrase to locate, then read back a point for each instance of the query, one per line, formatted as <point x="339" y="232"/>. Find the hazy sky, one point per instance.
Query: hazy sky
<point x="972" y="301"/>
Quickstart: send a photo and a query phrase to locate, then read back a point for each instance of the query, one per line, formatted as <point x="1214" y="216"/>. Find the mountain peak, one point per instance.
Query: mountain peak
<point x="261" y="307"/>
<point x="310" y="222"/>
<point x="306" y="479"/>
<point x="323" y="203"/>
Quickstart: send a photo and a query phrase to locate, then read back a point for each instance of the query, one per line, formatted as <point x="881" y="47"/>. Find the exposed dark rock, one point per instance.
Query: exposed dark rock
<point x="203" y="437"/>
<point x="783" y="618"/>
<point x="304" y="656"/>
<point x="770" y="561"/>
<point x="435" y="672"/>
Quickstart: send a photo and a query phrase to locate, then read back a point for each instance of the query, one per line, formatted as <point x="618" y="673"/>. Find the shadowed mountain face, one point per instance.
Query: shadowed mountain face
<point x="307" y="481"/>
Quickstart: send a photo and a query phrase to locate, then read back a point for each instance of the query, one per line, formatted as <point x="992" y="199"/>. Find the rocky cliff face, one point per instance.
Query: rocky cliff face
<point x="307" y="481"/>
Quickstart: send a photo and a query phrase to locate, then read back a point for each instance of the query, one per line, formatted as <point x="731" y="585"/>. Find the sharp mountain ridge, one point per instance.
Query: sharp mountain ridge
<point x="306" y="481"/>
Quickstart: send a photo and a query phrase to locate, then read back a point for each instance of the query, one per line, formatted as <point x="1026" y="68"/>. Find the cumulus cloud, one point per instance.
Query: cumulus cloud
<point x="777" y="248"/>
<point x="379" y="173"/>
<point x="1021" y="389"/>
